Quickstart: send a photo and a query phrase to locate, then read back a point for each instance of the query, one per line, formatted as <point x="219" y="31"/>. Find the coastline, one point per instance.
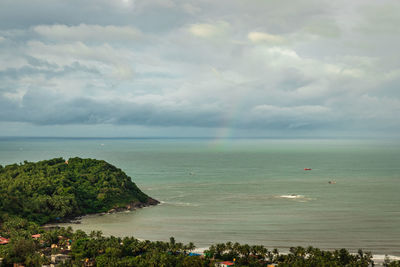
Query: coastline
<point x="128" y="207"/>
<point x="135" y="205"/>
<point x="378" y="259"/>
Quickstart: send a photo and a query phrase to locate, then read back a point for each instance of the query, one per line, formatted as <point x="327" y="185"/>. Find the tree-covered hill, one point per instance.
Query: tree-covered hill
<point x="47" y="190"/>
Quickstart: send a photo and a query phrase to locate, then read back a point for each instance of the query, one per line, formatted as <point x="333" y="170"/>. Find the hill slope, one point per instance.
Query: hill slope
<point x="52" y="189"/>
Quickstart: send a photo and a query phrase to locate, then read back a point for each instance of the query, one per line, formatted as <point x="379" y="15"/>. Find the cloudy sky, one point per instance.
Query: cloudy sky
<point x="200" y="68"/>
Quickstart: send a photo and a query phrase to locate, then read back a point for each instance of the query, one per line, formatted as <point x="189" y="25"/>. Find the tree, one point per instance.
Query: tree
<point x="21" y="250"/>
<point x="192" y="261"/>
<point x="51" y="190"/>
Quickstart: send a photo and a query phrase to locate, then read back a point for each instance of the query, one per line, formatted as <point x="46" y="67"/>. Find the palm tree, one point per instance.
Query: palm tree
<point x="262" y="252"/>
<point x="172" y="241"/>
<point x="275" y="253"/>
<point x="191" y="246"/>
<point x="220" y="249"/>
<point x="228" y="245"/>
<point x="210" y="253"/>
<point x="245" y="252"/>
<point x="236" y="248"/>
<point x="270" y="256"/>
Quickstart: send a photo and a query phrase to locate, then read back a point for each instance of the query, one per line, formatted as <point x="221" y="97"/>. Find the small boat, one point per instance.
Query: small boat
<point x="307" y="169"/>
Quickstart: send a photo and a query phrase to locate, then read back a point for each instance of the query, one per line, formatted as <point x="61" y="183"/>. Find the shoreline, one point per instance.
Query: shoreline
<point x="377" y="258"/>
<point x="134" y="205"/>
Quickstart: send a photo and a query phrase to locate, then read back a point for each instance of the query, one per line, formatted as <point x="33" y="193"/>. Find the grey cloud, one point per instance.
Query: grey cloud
<point x="91" y="33"/>
<point x="52" y="109"/>
<point x="289" y="66"/>
<point x="47" y="109"/>
<point x="380" y="18"/>
<point x="293" y="79"/>
<point x="49" y="71"/>
<point x="23" y="14"/>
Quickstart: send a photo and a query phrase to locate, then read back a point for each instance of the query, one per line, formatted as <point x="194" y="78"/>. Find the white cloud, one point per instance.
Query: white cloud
<point x="263" y="37"/>
<point x="208" y="30"/>
<point x="143" y="5"/>
<point x="127" y="3"/>
<point x="123" y="72"/>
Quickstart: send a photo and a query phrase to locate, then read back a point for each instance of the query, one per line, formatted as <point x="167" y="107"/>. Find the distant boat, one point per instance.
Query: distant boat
<point x="307" y="169"/>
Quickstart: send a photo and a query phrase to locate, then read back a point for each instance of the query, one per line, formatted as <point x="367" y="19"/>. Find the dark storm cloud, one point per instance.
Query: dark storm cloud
<point x="45" y="109"/>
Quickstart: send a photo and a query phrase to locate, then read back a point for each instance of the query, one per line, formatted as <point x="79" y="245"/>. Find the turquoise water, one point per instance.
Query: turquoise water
<point x="250" y="191"/>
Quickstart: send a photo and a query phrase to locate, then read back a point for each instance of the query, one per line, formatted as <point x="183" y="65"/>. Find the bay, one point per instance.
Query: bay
<point x="252" y="191"/>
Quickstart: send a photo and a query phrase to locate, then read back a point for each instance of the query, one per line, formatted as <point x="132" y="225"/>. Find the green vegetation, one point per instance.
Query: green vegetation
<point x="247" y="255"/>
<point x="81" y="249"/>
<point x="53" y="189"/>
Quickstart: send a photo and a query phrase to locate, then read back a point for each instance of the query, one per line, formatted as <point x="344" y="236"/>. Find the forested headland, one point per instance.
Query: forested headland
<point x="52" y="190"/>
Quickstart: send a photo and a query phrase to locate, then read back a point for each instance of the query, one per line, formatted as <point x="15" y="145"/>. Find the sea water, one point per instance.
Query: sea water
<point x="253" y="191"/>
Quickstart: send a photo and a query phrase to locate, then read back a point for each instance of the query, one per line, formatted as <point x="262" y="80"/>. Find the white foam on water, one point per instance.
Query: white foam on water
<point x="292" y="196"/>
<point x="181" y="204"/>
<point x="379" y="258"/>
<point x="295" y="197"/>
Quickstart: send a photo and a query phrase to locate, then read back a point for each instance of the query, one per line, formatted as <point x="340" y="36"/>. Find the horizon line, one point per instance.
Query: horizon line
<point x="190" y="137"/>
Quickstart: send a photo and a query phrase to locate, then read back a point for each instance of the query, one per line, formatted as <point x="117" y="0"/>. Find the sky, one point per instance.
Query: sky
<point x="226" y="68"/>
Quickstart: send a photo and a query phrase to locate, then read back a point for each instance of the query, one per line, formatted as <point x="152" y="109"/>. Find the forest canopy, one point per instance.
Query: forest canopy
<point x="53" y="189"/>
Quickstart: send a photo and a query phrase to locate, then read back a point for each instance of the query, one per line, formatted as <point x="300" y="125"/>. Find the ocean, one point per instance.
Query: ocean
<point x="253" y="191"/>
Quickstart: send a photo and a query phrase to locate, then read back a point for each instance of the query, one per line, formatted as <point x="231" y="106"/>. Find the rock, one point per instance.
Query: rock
<point x="152" y="201"/>
<point x="137" y="205"/>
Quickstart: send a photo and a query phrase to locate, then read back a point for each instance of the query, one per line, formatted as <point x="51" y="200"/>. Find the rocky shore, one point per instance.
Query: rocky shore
<point x="135" y="205"/>
<point x="129" y="207"/>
